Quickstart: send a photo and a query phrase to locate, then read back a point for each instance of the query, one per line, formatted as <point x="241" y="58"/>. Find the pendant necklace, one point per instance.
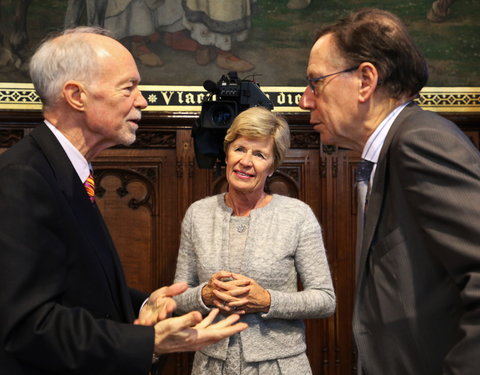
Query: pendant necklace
<point x="240" y="223"/>
<point x="241" y="228"/>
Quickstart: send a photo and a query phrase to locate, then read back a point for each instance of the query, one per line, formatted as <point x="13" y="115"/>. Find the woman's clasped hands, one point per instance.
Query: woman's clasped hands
<point x="235" y="293"/>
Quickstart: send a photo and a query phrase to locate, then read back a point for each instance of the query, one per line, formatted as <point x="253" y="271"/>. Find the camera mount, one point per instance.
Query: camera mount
<point x="227" y="98"/>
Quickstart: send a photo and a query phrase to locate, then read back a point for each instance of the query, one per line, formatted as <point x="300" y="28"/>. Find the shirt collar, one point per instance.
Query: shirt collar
<point x="81" y="165"/>
<point x="374" y="144"/>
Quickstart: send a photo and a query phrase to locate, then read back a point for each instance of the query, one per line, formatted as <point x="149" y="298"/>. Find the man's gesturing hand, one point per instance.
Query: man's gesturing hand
<point x="190" y="333"/>
<point x="160" y="305"/>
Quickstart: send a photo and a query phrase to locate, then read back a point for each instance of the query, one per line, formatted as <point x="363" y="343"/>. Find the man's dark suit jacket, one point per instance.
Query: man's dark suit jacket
<point x="417" y="308"/>
<point x="64" y="303"/>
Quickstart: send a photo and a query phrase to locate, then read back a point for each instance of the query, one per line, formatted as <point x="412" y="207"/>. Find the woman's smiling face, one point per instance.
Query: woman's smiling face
<point x="249" y="162"/>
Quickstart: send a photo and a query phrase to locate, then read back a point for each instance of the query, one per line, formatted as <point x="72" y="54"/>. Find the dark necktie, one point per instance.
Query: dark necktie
<point x="364" y="170"/>
<point x="362" y="180"/>
<point x="90" y="187"/>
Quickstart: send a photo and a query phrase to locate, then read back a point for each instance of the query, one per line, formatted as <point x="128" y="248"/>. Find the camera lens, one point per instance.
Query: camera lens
<point x="222" y="114"/>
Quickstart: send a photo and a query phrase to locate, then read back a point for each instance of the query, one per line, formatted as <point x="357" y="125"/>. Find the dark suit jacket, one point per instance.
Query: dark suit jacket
<point x="417" y="308"/>
<point x="64" y="303"/>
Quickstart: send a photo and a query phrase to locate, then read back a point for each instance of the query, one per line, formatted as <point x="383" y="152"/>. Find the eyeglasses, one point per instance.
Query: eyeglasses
<point x="312" y="81"/>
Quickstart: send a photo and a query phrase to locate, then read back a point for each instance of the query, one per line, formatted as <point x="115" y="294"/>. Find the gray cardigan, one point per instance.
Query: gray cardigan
<point x="284" y="240"/>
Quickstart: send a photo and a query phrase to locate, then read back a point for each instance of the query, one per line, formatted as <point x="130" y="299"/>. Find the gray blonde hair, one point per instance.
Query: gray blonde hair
<point x="259" y="122"/>
<point x="58" y="60"/>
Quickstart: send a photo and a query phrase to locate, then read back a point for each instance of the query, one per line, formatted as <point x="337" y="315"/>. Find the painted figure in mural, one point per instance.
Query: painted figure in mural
<point x="298" y="4"/>
<point x="216" y="25"/>
<point x="439" y="10"/>
<point x="207" y="28"/>
<point x="137" y="23"/>
<point x="15" y="50"/>
<point x="140" y="23"/>
<point x="94" y="9"/>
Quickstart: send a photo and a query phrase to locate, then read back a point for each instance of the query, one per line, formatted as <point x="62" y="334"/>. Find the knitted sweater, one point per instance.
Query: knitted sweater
<point x="284" y="241"/>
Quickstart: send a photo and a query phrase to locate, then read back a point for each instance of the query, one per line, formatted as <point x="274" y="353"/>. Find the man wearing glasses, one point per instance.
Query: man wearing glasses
<point x="417" y="307"/>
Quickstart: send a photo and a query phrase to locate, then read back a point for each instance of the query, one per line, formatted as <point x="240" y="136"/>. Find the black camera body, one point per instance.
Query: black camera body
<point x="232" y="97"/>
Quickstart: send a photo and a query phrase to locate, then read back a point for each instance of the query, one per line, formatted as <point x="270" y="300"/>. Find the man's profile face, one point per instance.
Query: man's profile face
<point x="116" y="101"/>
<point x="332" y="106"/>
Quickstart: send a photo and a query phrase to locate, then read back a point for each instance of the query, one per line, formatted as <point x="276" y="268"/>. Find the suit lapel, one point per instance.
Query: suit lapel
<point x="89" y="218"/>
<point x="377" y="194"/>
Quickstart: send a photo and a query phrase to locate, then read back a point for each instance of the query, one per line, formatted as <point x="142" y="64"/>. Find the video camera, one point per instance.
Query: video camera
<point x="232" y="97"/>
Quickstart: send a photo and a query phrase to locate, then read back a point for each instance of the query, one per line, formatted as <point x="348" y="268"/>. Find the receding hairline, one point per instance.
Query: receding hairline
<point x="106" y="42"/>
<point x="106" y="49"/>
<point x="335" y="55"/>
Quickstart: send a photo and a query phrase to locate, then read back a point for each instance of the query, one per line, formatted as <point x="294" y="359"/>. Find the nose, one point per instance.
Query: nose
<point x="246" y="159"/>
<point x="140" y="101"/>
<point x="307" y="101"/>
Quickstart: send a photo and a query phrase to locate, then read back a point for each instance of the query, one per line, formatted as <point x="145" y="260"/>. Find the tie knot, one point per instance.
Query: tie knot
<point x="364" y="170"/>
<point x="90" y="187"/>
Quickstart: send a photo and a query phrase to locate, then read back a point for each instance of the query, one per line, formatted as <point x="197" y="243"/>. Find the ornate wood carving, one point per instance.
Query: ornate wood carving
<point x="304" y="139"/>
<point x="146" y="176"/>
<point x="152" y="139"/>
<point x="285" y="182"/>
<point x="9" y="137"/>
<point x="328" y="149"/>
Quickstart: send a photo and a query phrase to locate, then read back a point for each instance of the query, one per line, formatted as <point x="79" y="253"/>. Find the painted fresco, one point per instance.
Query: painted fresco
<point x="185" y="42"/>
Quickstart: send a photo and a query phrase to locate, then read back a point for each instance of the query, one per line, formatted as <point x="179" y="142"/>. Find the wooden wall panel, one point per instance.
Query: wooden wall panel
<point x="137" y="197"/>
<point x="344" y="201"/>
<point x="144" y="191"/>
<point x="126" y="205"/>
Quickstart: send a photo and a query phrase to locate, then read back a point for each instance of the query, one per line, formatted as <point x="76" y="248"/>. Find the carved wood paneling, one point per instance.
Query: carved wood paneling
<point x="9" y="137"/>
<point x="284" y="184"/>
<point x="155" y="139"/>
<point x="344" y="275"/>
<point x="279" y="183"/>
<point x="126" y="199"/>
<point x="144" y="191"/>
<point x="304" y="139"/>
<point x="137" y="197"/>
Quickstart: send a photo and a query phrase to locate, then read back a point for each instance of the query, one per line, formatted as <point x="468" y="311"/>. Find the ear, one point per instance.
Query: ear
<point x="75" y="95"/>
<point x="368" y="81"/>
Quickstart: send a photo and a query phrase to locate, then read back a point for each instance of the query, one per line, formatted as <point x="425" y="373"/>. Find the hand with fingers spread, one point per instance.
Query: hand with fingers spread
<point x="242" y="295"/>
<point x="190" y="333"/>
<point x="160" y="305"/>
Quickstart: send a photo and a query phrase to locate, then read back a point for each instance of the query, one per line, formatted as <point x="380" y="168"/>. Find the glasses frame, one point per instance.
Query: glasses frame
<point x="311" y="82"/>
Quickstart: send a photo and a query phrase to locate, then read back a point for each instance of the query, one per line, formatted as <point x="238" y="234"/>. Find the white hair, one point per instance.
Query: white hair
<point x="59" y="59"/>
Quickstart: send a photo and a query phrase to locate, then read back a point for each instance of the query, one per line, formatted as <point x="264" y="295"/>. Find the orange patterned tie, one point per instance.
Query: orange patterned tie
<point x="90" y="187"/>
